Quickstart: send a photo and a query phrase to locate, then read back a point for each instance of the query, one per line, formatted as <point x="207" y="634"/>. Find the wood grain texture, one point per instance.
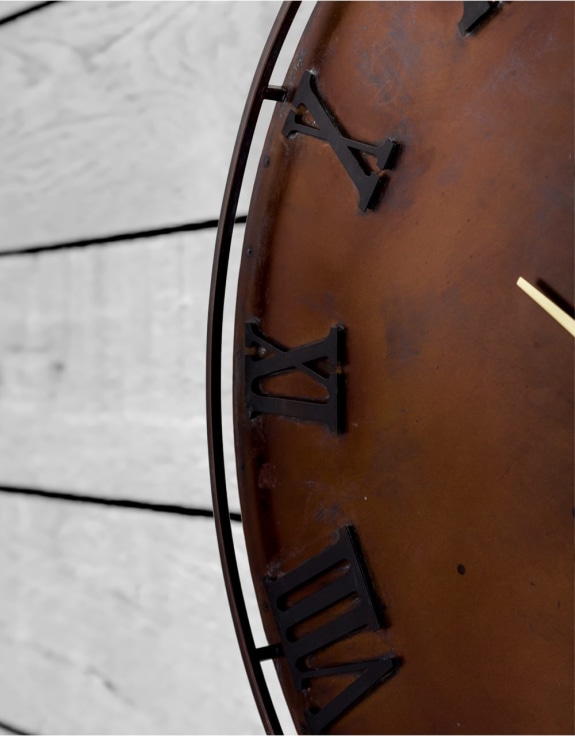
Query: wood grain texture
<point x="102" y="369"/>
<point x="121" y="116"/>
<point x="116" y="622"/>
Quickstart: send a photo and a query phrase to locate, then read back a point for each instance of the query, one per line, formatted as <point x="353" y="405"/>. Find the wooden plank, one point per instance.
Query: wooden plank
<point x="116" y="621"/>
<point x="121" y="116"/>
<point x="102" y="369"/>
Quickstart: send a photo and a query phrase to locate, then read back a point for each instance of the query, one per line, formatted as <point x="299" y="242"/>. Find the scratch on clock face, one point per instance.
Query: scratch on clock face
<point x="558" y="314"/>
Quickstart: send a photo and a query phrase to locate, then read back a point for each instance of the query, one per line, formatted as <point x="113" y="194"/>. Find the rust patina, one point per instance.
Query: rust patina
<point x="455" y="466"/>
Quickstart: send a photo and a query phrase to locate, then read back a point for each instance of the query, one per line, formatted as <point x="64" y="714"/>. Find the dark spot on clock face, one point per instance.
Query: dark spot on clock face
<point x="461" y="569"/>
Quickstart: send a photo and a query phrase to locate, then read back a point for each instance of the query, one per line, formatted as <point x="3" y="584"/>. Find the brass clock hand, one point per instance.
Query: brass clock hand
<point x="550" y="307"/>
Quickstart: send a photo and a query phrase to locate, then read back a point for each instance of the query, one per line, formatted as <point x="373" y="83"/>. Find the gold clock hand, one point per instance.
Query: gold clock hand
<point x="550" y="307"/>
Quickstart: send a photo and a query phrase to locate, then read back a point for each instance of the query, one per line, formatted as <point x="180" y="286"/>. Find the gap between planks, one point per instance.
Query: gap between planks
<point x="137" y="235"/>
<point x="11" y="11"/>
<point x="125" y="503"/>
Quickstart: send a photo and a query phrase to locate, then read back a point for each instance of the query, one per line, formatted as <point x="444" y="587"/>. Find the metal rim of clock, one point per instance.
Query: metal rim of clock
<point x="259" y="91"/>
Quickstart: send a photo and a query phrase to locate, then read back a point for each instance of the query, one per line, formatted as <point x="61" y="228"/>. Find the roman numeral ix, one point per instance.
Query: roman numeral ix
<point x="321" y="360"/>
<point x="362" y="613"/>
<point x="349" y="151"/>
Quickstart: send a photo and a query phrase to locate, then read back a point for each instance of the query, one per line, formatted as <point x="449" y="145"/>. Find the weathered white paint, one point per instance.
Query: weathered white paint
<point x="116" y="621"/>
<point x="102" y="369"/>
<point x="122" y="116"/>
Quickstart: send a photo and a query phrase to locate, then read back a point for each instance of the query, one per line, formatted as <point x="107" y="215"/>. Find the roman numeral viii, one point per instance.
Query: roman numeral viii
<point x="350" y="582"/>
<point x="321" y="360"/>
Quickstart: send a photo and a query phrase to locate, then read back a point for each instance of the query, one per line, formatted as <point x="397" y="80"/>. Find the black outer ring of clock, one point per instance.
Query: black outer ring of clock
<point x="259" y="91"/>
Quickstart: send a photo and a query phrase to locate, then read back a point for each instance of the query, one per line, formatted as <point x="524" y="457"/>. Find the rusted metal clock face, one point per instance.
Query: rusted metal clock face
<point x="403" y="411"/>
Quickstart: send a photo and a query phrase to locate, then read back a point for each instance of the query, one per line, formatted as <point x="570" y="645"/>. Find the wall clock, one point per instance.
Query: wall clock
<point x="403" y="370"/>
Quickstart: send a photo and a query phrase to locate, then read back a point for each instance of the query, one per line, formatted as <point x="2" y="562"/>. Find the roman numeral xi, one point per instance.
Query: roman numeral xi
<point x="322" y="361"/>
<point x="352" y="583"/>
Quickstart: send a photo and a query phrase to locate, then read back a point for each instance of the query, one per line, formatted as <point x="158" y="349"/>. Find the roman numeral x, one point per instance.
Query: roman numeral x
<point x="349" y="151"/>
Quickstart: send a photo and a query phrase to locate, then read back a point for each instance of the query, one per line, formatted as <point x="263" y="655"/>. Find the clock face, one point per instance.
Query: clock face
<point x="403" y="407"/>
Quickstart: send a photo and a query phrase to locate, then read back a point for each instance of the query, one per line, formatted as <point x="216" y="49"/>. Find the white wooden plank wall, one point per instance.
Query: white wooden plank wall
<point x="106" y="344"/>
<point x="121" y="116"/>
<point x="113" y="625"/>
<point x="116" y="118"/>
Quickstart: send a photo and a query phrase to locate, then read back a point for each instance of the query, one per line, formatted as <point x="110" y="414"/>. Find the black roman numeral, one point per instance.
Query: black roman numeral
<point x="475" y="13"/>
<point x="363" y="612"/>
<point x="371" y="674"/>
<point x="268" y="359"/>
<point x="349" y="151"/>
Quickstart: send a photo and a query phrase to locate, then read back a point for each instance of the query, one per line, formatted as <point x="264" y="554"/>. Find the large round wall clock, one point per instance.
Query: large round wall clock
<point x="403" y="371"/>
